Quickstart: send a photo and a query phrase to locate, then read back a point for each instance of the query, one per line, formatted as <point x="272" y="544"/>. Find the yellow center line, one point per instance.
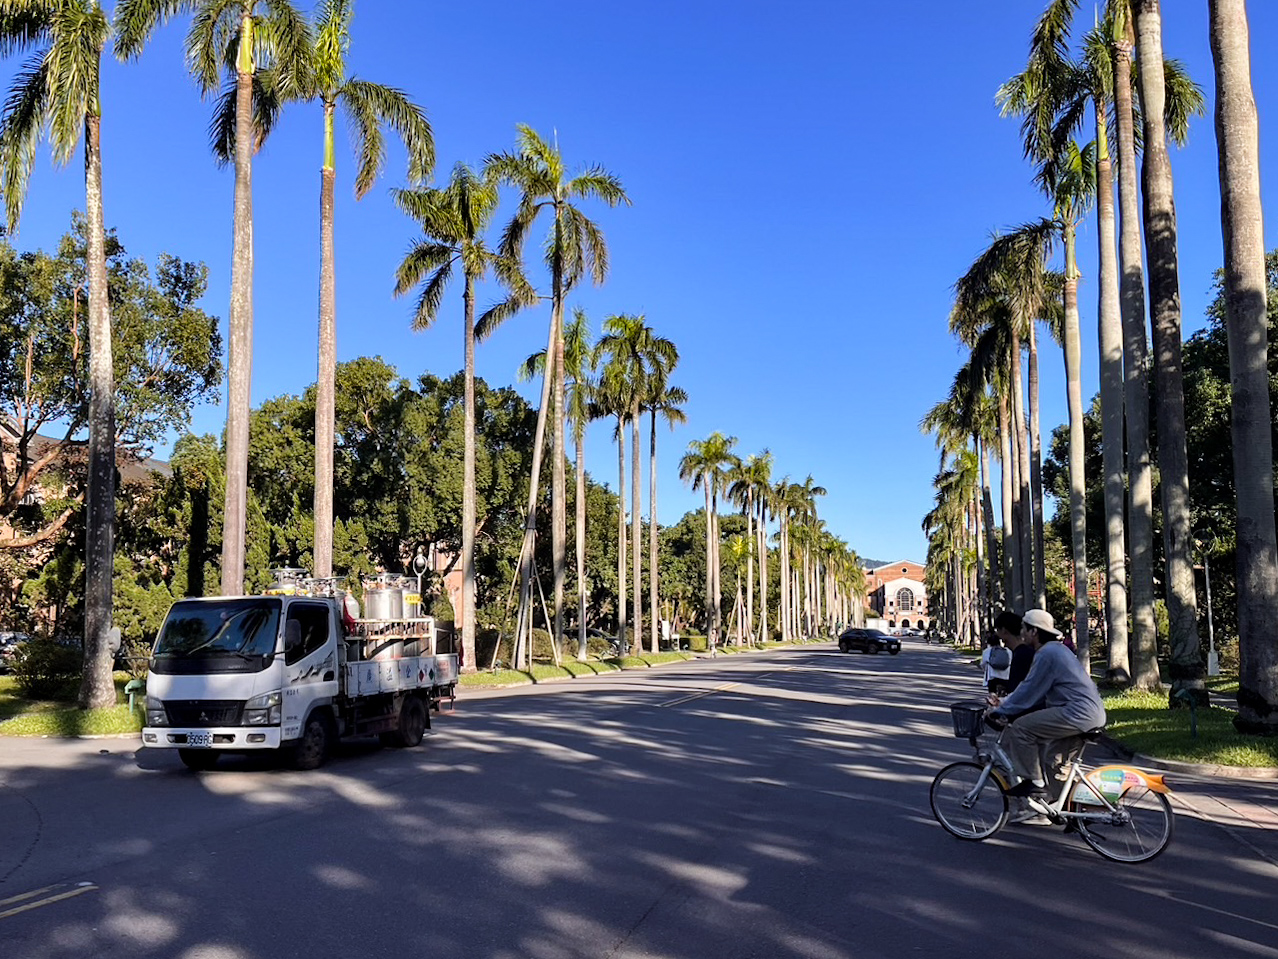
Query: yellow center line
<point x="79" y="890"/>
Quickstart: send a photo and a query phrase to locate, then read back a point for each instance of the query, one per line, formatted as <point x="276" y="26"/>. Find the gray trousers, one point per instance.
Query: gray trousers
<point x="1033" y="731"/>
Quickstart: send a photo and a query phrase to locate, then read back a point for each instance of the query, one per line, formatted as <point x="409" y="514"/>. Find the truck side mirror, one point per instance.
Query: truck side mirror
<point x="292" y="635"/>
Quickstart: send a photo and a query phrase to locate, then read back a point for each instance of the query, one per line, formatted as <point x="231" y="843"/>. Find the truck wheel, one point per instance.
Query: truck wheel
<point x="198" y="759"/>
<point x="312" y="749"/>
<point x="412" y="723"/>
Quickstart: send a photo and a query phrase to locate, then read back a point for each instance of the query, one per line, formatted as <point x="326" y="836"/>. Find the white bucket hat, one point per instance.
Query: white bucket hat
<point x="1041" y="620"/>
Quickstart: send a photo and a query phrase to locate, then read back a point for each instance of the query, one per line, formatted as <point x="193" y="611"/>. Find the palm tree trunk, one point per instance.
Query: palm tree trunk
<point x="1110" y="338"/>
<point x="1011" y="543"/>
<point x="1164" y="294"/>
<point x="709" y="565"/>
<point x="527" y="549"/>
<point x="1140" y="508"/>
<point x="750" y="565"/>
<point x="636" y="530"/>
<point x="717" y="594"/>
<point x="581" y="544"/>
<point x="1036" y="473"/>
<point x="96" y="687"/>
<point x="783" y="612"/>
<point x="653" y="605"/>
<point x="1242" y="228"/>
<point x="1077" y="448"/>
<point x="763" y="571"/>
<point x="621" y="532"/>
<point x="326" y="375"/>
<point x="469" y="519"/>
<point x="1028" y="591"/>
<point x="993" y="578"/>
<point x="239" y="330"/>
<point x="558" y="478"/>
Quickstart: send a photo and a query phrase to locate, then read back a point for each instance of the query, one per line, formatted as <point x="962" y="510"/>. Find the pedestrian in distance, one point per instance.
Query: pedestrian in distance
<point x="996" y="661"/>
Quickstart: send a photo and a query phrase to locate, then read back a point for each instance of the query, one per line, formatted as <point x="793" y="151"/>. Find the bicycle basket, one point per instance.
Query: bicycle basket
<point x="969" y="719"/>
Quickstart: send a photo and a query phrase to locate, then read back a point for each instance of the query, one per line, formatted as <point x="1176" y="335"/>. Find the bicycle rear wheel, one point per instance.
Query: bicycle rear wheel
<point x="1137" y="831"/>
<point x="962" y="811"/>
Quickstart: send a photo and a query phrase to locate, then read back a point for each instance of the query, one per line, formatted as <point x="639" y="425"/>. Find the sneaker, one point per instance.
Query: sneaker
<point x="1039" y="803"/>
<point x="1028" y="817"/>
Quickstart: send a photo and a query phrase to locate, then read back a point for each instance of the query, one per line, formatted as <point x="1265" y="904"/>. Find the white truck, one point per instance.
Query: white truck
<point x="235" y="674"/>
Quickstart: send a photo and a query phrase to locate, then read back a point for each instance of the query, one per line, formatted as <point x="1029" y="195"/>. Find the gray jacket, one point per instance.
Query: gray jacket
<point x="1057" y="678"/>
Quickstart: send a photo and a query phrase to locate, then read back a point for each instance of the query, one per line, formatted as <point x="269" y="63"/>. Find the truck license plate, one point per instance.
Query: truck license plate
<point x="199" y="739"/>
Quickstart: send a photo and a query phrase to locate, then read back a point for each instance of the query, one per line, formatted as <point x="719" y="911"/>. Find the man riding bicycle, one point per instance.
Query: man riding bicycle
<point x="1069" y="702"/>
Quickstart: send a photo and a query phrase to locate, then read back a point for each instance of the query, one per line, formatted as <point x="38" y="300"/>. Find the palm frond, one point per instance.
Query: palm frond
<point x="136" y="20"/>
<point x="496" y="315"/>
<point x="21" y="124"/>
<point x="23" y="26"/>
<point x="1184" y="98"/>
<point x="432" y="296"/>
<point x="597" y="183"/>
<point x="422" y="257"/>
<point x="283" y="40"/>
<point x="370" y="105"/>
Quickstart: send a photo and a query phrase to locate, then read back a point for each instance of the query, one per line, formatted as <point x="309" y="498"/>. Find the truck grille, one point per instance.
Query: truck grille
<point x="204" y="712"/>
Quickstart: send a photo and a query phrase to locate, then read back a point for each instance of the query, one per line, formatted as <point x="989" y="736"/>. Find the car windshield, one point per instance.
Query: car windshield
<point x="240" y="629"/>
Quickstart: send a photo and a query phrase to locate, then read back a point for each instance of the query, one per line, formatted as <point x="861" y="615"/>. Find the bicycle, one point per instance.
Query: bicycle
<point x="1120" y="811"/>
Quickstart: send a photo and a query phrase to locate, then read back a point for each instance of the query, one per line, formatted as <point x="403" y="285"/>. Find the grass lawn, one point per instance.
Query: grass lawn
<point x="27" y="717"/>
<point x="1142" y="722"/>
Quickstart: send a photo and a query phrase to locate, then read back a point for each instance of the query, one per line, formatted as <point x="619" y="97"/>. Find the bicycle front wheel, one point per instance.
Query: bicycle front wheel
<point x="964" y="810"/>
<point x="1138" y="830"/>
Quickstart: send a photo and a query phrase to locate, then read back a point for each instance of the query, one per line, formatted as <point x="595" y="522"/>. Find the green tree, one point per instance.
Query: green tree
<point x="244" y="38"/>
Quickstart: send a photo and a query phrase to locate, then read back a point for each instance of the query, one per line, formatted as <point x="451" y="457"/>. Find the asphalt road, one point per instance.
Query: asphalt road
<point x="762" y="805"/>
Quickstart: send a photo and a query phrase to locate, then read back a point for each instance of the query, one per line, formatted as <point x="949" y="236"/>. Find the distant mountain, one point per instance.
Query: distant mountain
<point x="874" y="563"/>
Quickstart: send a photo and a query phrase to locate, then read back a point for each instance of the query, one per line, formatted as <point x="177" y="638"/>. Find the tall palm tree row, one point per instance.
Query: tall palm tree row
<point x="707" y="464"/>
<point x="1121" y="54"/>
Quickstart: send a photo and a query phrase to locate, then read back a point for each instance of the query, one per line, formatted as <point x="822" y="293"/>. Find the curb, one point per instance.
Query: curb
<point x="1207" y="770"/>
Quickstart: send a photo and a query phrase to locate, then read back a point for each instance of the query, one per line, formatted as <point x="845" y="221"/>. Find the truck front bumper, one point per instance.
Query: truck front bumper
<point x="228" y="737"/>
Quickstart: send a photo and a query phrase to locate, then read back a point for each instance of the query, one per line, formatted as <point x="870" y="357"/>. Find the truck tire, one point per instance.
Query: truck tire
<point x="412" y="723"/>
<point x="317" y="739"/>
<point x="199" y="760"/>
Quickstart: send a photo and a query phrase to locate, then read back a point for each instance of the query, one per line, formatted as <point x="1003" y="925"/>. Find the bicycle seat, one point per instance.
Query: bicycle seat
<point x="1093" y="734"/>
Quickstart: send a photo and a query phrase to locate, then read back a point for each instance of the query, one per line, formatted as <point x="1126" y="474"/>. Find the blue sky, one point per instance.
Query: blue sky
<point x="808" y="180"/>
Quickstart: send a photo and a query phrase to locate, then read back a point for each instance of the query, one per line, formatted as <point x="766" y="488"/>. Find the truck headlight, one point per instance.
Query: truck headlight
<point x="155" y="714"/>
<point x="263" y="710"/>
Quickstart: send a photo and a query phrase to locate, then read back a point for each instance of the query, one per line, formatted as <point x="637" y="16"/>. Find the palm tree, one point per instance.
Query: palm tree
<point x="575" y="246"/>
<point x="615" y="395"/>
<point x="744" y="487"/>
<point x="56" y="90"/>
<point x="453" y="221"/>
<point x="580" y="360"/>
<point x="1242" y="229"/>
<point x="370" y="107"/>
<point x="705" y="465"/>
<point x="1164" y="294"/>
<point x="246" y="37"/>
<point x="660" y="399"/>
<point x="637" y="356"/>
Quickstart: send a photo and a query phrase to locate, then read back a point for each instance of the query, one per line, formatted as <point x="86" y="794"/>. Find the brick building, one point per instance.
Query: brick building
<point x="896" y="594"/>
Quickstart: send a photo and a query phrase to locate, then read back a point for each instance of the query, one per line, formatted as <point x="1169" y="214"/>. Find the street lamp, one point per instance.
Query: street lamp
<point x="1205" y="547"/>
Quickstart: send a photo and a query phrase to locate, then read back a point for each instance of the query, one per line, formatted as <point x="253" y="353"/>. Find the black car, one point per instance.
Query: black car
<point x="868" y="641"/>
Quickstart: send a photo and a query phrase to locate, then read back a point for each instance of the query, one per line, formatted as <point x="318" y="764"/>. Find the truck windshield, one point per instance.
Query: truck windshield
<point x="231" y="636"/>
